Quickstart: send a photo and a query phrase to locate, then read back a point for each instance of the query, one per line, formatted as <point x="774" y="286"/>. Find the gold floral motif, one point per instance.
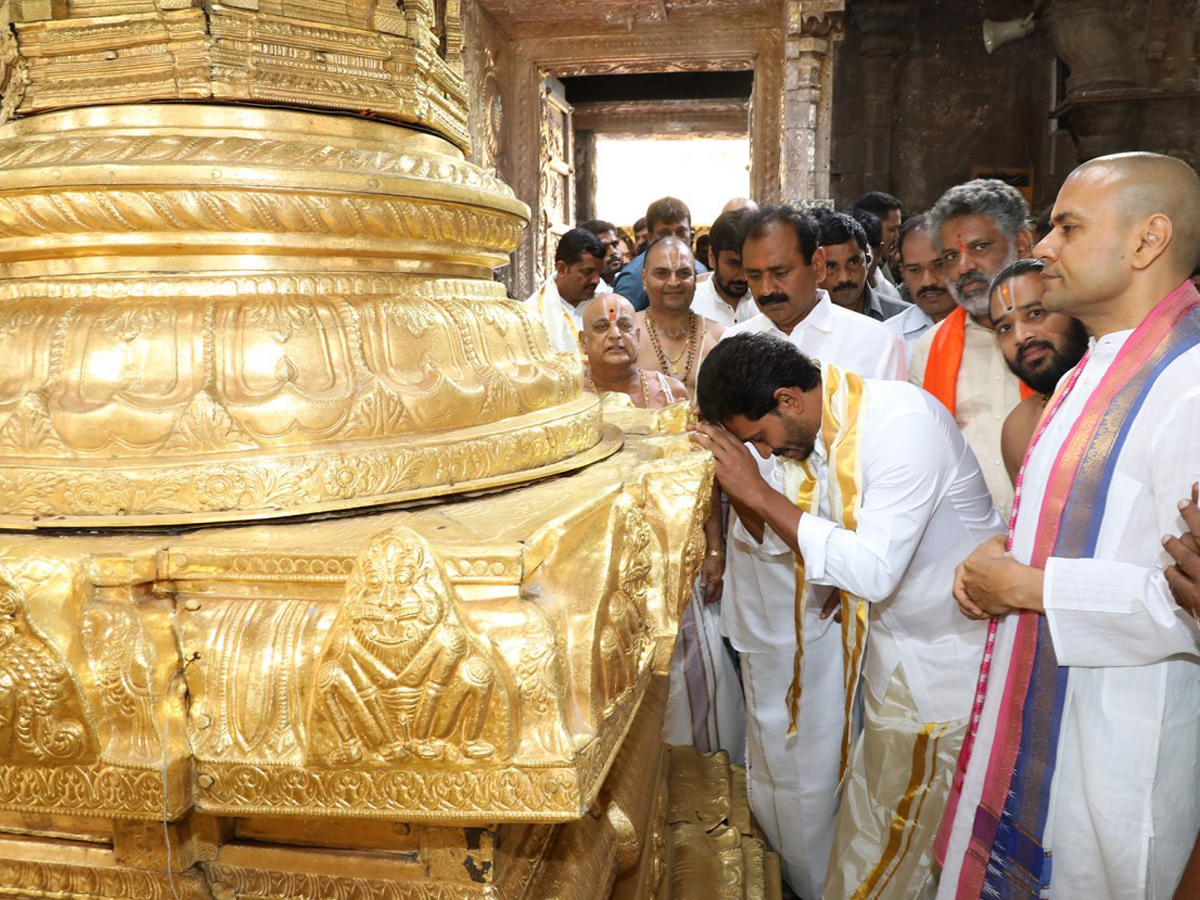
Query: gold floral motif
<point x="30" y="880"/>
<point x="114" y="791"/>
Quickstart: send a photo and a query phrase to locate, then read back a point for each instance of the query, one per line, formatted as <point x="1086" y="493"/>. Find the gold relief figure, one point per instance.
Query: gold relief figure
<point x="401" y="675"/>
<point x="122" y="663"/>
<point x="624" y="623"/>
<point x="41" y="710"/>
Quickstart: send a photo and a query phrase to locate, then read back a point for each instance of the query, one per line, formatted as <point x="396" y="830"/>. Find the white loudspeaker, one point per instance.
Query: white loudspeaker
<point x="997" y="33"/>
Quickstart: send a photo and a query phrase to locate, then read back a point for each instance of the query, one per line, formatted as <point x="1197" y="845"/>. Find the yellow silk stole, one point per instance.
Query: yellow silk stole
<point x="843" y="403"/>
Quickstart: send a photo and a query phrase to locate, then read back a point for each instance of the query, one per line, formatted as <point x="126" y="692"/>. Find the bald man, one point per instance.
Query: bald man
<point x="1083" y="780"/>
<point x="609" y="341"/>
<point x="674" y="340"/>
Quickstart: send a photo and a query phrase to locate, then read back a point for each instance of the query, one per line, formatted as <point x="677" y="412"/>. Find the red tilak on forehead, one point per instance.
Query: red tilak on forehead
<point x="612" y="312"/>
<point x="961" y="247"/>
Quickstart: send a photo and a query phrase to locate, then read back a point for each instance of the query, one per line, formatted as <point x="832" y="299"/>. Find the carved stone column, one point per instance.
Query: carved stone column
<point x="1096" y="38"/>
<point x="885" y="29"/>
<point x="813" y="27"/>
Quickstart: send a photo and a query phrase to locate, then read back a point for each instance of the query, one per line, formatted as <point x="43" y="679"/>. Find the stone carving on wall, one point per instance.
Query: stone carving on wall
<point x="1133" y="79"/>
<point x="812" y="30"/>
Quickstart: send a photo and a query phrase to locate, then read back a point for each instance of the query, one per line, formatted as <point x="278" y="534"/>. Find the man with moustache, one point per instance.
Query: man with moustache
<point x="606" y="233"/>
<point x="725" y="297"/>
<point x="1083" y="781"/>
<point x="846" y="262"/>
<point x="924" y="282"/>
<point x="980" y="227"/>
<point x="558" y="303"/>
<point x="1040" y="346"/>
<point x="674" y="339"/>
<point x="793" y="777"/>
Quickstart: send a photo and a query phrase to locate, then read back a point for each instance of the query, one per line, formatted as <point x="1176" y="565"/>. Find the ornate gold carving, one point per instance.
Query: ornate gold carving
<point x="400" y="675"/>
<point x="57" y="879"/>
<point x="122" y="663"/>
<point x="113" y="791"/>
<point x="181" y="384"/>
<point x="624" y="622"/>
<point x="42" y="714"/>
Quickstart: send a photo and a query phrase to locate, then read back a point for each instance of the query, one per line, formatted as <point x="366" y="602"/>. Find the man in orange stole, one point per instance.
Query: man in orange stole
<point x="1082" y="776"/>
<point x="980" y="227"/>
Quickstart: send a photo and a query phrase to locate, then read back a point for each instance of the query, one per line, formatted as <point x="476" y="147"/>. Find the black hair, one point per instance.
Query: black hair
<point x="577" y="242"/>
<point x="870" y="224"/>
<point x="726" y="233"/>
<point x="597" y="226"/>
<point x="639" y="224"/>
<point x="1016" y="270"/>
<point x="918" y="224"/>
<point x="666" y="209"/>
<point x="802" y="224"/>
<point x="837" y="228"/>
<point x="879" y="203"/>
<point x="741" y="375"/>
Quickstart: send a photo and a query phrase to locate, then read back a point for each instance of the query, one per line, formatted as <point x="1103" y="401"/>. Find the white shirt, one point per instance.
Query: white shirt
<point x="986" y="393"/>
<point x="710" y="304"/>
<point x="759" y="575"/>
<point x="835" y="335"/>
<point x="883" y="287"/>
<point x="923" y="508"/>
<point x="563" y="321"/>
<point x="1125" y="803"/>
<point x="910" y="325"/>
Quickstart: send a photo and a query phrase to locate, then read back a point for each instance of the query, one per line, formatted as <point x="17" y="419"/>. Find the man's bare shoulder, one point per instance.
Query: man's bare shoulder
<point x="1017" y="432"/>
<point x="715" y="329"/>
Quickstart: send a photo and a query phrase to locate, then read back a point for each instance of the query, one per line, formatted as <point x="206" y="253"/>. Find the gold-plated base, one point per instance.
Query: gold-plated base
<point x="214" y="314"/>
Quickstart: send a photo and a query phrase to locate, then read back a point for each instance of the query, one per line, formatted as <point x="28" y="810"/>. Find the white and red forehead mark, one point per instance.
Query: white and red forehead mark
<point x="1006" y="297"/>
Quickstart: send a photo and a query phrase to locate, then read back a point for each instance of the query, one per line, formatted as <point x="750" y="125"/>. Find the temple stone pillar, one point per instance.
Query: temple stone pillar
<point x="886" y="37"/>
<point x="813" y="29"/>
<point x="1134" y="83"/>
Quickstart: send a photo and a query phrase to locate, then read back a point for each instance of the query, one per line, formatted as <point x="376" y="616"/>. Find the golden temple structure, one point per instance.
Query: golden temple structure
<point x="249" y="337"/>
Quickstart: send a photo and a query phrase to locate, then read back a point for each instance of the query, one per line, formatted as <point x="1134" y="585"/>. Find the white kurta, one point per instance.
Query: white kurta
<point x="563" y="320"/>
<point x="710" y="304"/>
<point x="793" y="780"/>
<point x="924" y="508"/>
<point x="835" y="335"/>
<point x="1125" y="802"/>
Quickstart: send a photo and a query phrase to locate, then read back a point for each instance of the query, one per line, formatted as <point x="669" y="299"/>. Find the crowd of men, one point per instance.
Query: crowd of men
<point x="935" y="704"/>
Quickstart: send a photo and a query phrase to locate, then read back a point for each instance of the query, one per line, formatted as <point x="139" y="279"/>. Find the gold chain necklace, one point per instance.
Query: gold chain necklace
<point x="588" y="379"/>
<point x="669" y="366"/>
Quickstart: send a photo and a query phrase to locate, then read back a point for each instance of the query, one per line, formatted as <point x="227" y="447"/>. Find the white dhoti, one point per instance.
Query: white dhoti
<point x="892" y="801"/>
<point x="793" y="780"/>
<point x="704" y="701"/>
